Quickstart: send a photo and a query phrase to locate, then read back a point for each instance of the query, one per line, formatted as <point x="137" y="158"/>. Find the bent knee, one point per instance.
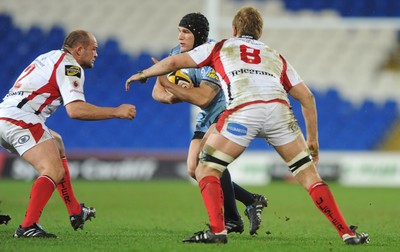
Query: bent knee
<point x="192" y="174"/>
<point x="215" y="159"/>
<point x="191" y="169"/>
<point x="56" y="173"/>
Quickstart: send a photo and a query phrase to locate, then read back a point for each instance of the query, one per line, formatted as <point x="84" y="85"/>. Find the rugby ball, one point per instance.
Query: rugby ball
<point x="180" y="78"/>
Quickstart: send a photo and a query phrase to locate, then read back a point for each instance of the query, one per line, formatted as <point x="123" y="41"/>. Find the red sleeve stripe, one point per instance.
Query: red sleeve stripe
<point x="287" y="85"/>
<point x="214" y="60"/>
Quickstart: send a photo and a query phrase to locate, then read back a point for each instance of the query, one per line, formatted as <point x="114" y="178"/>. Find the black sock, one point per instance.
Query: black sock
<point x="246" y="197"/>
<point x="230" y="209"/>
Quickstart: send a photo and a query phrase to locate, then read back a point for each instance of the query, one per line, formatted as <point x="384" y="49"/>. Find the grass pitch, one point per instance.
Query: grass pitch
<point x="157" y="215"/>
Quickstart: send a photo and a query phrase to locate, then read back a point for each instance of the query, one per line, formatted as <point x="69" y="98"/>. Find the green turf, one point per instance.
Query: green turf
<point x="155" y="216"/>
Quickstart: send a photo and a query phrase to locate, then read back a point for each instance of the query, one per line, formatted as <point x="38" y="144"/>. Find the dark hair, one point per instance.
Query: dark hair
<point x="197" y="23"/>
<point x="77" y="37"/>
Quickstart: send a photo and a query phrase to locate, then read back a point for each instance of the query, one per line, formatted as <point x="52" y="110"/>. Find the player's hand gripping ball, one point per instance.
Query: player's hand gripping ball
<point x="180" y="78"/>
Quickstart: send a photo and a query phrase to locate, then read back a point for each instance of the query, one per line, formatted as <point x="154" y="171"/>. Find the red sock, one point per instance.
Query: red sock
<point x="66" y="192"/>
<point x="213" y="198"/>
<point x="41" y="192"/>
<point x="325" y="202"/>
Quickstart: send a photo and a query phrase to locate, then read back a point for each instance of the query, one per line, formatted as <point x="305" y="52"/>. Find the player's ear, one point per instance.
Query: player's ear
<point x="79" y="49"/>
<point x="234" y="30"/>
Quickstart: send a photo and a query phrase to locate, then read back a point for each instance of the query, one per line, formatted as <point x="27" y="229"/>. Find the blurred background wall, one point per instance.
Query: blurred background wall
<point x="348" y="52"/>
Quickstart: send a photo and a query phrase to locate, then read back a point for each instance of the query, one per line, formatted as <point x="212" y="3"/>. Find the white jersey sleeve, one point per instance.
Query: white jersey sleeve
<point x="290" y="77"/>
<point x="201" y="53"/>
<point x="70" y="79"/>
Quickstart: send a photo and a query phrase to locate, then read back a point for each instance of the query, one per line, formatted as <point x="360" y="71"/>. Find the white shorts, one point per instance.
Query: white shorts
<point x="273" y="121"/>
<point x="21" y="131"/>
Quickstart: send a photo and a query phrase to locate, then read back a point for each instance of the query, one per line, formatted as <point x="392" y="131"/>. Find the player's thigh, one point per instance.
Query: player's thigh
<point x="45" y="158"/>
<point x="293" y="153"/>
<point x="210" y="130"/>
<point x="292" y="149"/>
<point x="223" y="144"/>
<point x="218" y="153"/>
<point x="58" y="139"/>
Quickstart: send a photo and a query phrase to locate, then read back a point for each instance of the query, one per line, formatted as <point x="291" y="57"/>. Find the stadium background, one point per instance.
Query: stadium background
<point x="348" y="52"/>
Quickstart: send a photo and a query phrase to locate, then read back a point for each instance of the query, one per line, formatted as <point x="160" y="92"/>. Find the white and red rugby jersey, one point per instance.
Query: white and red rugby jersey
<point x="248" y="69"/>
<point x="51" y="80"/>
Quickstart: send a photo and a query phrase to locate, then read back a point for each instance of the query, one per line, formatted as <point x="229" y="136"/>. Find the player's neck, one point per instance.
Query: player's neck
<point x="66" y="50"/>
<point x="246" y="36"/>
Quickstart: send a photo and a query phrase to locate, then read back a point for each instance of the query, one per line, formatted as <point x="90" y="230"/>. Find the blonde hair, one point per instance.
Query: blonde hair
<point x="248" y="21"/>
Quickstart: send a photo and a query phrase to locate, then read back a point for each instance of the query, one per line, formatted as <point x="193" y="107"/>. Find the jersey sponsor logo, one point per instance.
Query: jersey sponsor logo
<point x="23" y="139"/>
<point x="249" y="71"/>
<point x="71" y="70"/>
<point x="15" y="93"/>
<point x="212" y="75"/>
<point x="237" y="129"/>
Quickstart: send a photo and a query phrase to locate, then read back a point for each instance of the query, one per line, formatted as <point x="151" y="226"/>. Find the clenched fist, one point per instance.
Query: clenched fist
<point x="126" y="111"/>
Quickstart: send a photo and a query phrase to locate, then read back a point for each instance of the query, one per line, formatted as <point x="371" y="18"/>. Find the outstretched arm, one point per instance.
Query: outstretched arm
<point x="167" y="92"/>
<point x="159" y="93"/>
<point x="85" y="111"/>
<point x="167" y="65"/>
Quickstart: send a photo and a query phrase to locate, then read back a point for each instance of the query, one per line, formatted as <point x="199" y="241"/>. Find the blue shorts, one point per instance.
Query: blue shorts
<point x="206" y="118"/>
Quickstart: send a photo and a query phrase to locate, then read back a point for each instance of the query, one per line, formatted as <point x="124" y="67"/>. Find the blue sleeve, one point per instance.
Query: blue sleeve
<point x="209" y="74"/>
